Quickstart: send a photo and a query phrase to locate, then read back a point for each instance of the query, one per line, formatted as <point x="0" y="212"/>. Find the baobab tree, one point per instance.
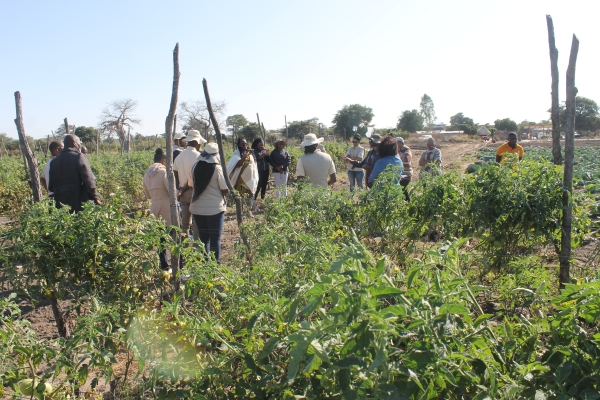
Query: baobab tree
<point x="117" y="118"/>
<point x="194" y="115"/>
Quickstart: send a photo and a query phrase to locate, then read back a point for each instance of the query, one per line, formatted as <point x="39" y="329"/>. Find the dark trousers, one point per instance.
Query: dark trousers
<point x="210" y="228"/>
<point x="404" y="183"/>
<point x="263" y="181"/>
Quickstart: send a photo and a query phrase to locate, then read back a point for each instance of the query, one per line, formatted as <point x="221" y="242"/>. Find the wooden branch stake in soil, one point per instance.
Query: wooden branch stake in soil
<point x="262" y="133"/>
<point x="67" y="127"/>
<point x="556" y="152"/>
<point x="236" y="196"/>
<point x="61" y="325"/>
<point x="31" y="162"/>
<point x="169" y="145"/>
<point x="565" y="243"/>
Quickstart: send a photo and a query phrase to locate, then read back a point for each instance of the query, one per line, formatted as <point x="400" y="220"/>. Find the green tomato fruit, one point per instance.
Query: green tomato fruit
<point x="25" y="387"/>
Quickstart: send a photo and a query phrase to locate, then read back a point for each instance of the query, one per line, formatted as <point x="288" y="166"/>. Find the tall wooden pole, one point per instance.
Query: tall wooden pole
<point x="236" y="196"/>
<point x="97" y="140"/>
<point x="565" y="243"/>
<point x="31" y="162"/>
<point x="259" y="127"/>
<point x="554" y="115"/>
<point x="66" y="126"/>
<point x="169" y="145"/>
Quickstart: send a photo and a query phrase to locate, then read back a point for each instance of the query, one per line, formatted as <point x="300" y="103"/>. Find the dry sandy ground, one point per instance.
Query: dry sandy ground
<point x="455" y="156"/>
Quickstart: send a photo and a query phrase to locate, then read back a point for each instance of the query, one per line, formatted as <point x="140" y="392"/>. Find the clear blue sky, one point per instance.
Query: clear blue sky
<point x="303" y="59"/>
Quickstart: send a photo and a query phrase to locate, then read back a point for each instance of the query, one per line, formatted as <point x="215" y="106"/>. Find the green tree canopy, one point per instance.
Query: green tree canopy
<point x="349" y="117"/>
<point x="87" y="134"/>
<point x="459" y="122"/>
<point x="506" y="124"/>
<point x="297" y="129"/>
<point x="587" y="116"/>
<point x="236" y="122"/>
<point x="410" y="121"/>
<point x="249" y="132"/>
<point x="427" y="109"/>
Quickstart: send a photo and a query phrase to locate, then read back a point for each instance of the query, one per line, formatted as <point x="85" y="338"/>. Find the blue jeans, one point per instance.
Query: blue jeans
<point x="210" y="228"/>
<point x="358" y="176"/>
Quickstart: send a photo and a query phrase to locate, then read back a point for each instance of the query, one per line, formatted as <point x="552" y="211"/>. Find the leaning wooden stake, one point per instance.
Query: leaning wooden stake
<point x="556" y="152"/>
<point x="63" y="330"/>
<point x="235" y="194"/>
<point x="262" y="133"/>
<point x="170" y="177"/>
<point x="28" y="154"/>
<point x="565" y="245"/>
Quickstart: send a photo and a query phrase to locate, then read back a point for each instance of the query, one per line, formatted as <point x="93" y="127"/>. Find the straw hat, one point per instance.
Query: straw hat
<point x="311" y="139"/>
<point x="179" y="136"/>
<point x="279" y="140"/>
<point x="210" y="153"/>
<point x="194" y="136"/>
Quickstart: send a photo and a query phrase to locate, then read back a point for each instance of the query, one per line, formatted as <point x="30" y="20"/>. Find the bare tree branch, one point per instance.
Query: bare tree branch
<point x="116" y="117"/>
<point x="195" y="115"/>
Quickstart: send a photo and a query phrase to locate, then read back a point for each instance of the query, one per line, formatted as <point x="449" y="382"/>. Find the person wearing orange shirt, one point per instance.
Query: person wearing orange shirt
<point x="510" y="147"/>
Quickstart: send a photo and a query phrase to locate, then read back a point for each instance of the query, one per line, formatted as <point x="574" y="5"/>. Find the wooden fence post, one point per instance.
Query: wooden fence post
<point x="565" y="245"/>
<point x="236" y="196"/>
<point x="170" y="176"/>
<point x="554" y="115"/>
<point x="31" y="162"/>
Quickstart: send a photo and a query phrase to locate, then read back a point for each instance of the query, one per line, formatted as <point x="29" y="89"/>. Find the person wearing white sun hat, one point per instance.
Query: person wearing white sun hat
<point x="317" y="166"/>
<point x="208" y="205"/>
<point x="182" y="167"/>
<point x="177" y="144"/>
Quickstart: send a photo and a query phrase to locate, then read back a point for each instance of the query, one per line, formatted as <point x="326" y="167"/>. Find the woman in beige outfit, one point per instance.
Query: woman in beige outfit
<point x="156" y="188"/>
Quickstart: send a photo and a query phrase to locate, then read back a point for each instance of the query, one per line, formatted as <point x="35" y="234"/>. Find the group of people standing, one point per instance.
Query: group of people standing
<point x="201" y="186"/>
<point x="202" y="189"/>
<point x="387" y="151"/>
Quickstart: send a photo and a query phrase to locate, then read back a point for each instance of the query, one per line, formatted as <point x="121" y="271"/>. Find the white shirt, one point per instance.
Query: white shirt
<point x="46" y="174"/>
<point x="184" y="162"/>
<point x="210" y="202"/>
<point x="355" y="152"/>
<point x="316" y="167"/>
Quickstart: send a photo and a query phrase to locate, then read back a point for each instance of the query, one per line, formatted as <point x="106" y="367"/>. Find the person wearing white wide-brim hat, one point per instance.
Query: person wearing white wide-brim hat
<point x="178" y="146"/>
<point x="316" y="166"/>
<point x="313" y="138"/>
<point x="182" y="167"/>
<point x="208" y="203"/>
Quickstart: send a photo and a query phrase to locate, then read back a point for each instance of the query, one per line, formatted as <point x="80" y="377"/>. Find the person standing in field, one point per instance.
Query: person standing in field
<point x="178" y="144"/>
<point x="370" y="159"/>
<point x="182" y="167"/>
<point x="316" y="166"/>
<point x="280" y="161"/>
<point x="431" y="159"/>
<point x="355" y="153"/>
<point x="511" y="147"/>
<point x="406" y="156"/>
<point x="263" y="165"/>
<point x="55" y="149"/>
<point x="388" y="155"/>
<point x="71" y="178"/>
<point x="156" y="188"/>
<point x="208" y="199"/>
<point x="242" y="170"/>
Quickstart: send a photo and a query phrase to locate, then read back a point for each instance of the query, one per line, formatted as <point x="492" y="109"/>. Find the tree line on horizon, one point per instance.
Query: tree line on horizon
<point x="118" y="118"/>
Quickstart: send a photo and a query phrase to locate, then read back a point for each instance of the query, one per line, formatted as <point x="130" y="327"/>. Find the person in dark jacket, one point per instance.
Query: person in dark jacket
<point x="71" y="178"/>
<point x="280" y="161"/>
<point x="263" y="161"/>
